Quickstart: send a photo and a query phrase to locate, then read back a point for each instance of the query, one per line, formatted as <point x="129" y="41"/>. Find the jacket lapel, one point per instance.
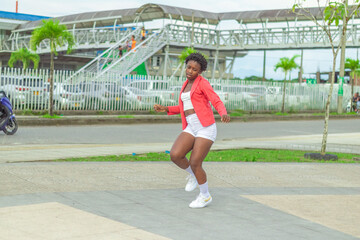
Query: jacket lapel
<point x="194" y="86"/>
<point x="183" y="86"/>
<point x="182" y="89"/>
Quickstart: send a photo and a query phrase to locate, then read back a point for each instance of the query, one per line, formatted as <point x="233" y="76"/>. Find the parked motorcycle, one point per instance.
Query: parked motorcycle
<point x="8" y="123"/>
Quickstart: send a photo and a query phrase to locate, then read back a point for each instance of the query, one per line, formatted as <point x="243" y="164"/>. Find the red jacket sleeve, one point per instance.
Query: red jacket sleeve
<point x="173" y="110"/>
<point x="213" y="98"/>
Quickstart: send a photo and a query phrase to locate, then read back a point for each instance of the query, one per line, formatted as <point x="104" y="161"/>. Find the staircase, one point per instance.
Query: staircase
<point x="132" y="59"/>
<point x="110" y="62"/>
<point x="105" y="60"/>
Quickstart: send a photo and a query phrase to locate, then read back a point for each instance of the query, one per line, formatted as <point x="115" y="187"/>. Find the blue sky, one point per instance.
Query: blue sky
<point x="250" y="65"/>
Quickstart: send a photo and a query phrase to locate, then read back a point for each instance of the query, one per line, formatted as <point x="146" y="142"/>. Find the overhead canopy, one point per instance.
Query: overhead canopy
<point x="10" y="20"/>
<point x="87" y="20"/>
<point x="149" y="12"/>
<point x="277" y="15"/>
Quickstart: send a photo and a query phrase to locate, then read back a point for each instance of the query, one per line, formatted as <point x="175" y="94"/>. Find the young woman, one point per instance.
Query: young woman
<point x="198" y="123"/>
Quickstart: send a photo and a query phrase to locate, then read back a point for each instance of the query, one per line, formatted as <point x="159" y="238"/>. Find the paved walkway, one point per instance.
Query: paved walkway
<point x="348" y="143"/>
<point x="133" y="200"/>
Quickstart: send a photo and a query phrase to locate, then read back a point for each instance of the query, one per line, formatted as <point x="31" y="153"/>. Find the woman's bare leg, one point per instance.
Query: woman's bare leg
<point x="182" y="145"/>
<point x="200" y="149"/>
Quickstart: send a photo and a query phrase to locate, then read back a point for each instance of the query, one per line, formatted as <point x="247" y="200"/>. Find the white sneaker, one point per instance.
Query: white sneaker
<point x="191" y="184"/>
<point x="200" y="201"/>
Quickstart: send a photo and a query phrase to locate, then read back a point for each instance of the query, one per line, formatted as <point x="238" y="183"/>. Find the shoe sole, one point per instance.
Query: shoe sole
<point x="190" y="190"/>
<point x="207" y="203"/>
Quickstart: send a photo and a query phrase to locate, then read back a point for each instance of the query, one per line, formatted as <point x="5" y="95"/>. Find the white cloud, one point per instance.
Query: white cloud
<point x="66" y="7"/>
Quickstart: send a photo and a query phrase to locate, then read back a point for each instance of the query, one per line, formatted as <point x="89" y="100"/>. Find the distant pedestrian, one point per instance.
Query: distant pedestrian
<point x="198" y="123"/>
<point x="133" y="42"/>
<point x="356" y="102"/>
<point x="120" y="51"/>
<point x="143" y="34"/>
<point x="128" y="46"/>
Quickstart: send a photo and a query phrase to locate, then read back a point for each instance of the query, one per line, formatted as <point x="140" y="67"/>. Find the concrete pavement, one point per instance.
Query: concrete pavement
<point x="146" y="200"/>
<point x="346" y="142"/>
<point x="25" y="120"/>
<point x="132" y="200"/>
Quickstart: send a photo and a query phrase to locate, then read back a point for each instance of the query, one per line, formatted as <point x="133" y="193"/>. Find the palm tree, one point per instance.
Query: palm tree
<point x="25" y="56"/>
<point x="354" y="66"/>
<point x="287" y="65"/>
<point x="58" y="36"/>
<point x="186" y="52"/>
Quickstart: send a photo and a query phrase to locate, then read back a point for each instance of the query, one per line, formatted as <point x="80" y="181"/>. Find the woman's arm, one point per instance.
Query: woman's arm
<point x="171" y="110"/>
<point x="216" y="101"/>
<point x="160" y="108"/>
<point x="213" y="98"/>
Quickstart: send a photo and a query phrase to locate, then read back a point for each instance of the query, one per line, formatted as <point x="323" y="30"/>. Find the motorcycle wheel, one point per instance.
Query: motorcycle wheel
<point x="11" y="127"/>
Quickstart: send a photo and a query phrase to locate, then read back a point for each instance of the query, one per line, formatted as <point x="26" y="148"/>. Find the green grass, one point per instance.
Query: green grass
<point x="334" y="113"/>
<point x="125" y="116"/>
<point x="347" y="113"/>
<point x="281" y="114"/>
<point x="234" y="155"/>
<point x="51" y="117"/>
<point x="236" y="114"/>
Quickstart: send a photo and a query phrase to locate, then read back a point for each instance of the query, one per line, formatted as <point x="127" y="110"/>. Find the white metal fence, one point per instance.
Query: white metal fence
<point x="29" y="90"/>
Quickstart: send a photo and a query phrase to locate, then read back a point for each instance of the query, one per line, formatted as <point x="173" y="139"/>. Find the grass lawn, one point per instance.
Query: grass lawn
<point x="125" y="116"/>
<point x="234" y="155"/>
<point x="51" y="117"/>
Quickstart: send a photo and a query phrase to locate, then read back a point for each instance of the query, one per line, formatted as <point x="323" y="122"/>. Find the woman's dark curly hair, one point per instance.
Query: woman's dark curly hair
<point x="199" y="58"/>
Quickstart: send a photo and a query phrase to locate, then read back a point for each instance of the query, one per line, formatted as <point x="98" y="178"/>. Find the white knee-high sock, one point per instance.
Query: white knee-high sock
<point x="204" y="189"/>
<point x="189" y="170"/>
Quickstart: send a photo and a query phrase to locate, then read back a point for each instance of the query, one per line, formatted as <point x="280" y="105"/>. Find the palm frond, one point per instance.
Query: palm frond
<point x="53" y="31"/>
<point x="287" y="64"/>
<point x="185" y="53"/>
<point x="352" y="64"/>
<point x="25" y="56"/>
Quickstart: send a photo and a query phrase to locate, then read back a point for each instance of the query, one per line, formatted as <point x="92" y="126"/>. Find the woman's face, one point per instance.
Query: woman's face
<point x="193" y="69"/>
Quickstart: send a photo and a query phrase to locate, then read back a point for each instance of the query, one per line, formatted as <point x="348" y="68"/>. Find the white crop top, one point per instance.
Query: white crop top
<point x="185" y="98"/>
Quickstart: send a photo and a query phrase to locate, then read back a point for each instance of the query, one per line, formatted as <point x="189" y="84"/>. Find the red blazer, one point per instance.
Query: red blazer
<point x="200" y="94"/>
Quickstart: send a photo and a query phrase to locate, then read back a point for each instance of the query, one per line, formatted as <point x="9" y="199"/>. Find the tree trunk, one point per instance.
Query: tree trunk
<point x="352" y="79"/>
<point x="283" y="100"/>
<point x="327" y="109"/>
<point x="342" y="56"/>
<point x="51" y="90"/>
<point x="301" y="66"/>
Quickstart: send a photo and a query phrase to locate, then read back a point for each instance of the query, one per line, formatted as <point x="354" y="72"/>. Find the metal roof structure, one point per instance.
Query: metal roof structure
<point x="87" y="19"/>
<point x="150" y="11"/>
<point x="276" y="15"/>
<point x="11" y="20"/>
<point x="158" y="11"/>
<point x="20" y="16"/>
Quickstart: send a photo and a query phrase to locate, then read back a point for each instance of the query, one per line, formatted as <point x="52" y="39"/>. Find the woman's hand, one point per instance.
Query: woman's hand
<point x="160" y="108"/>
<point x="225" y="118"/>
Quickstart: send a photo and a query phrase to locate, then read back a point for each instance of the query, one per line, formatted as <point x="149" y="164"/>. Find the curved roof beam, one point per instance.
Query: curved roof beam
<point x="151" y="12"/>
<point x="86" y="20"/>
<point x="155" y="11"/>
